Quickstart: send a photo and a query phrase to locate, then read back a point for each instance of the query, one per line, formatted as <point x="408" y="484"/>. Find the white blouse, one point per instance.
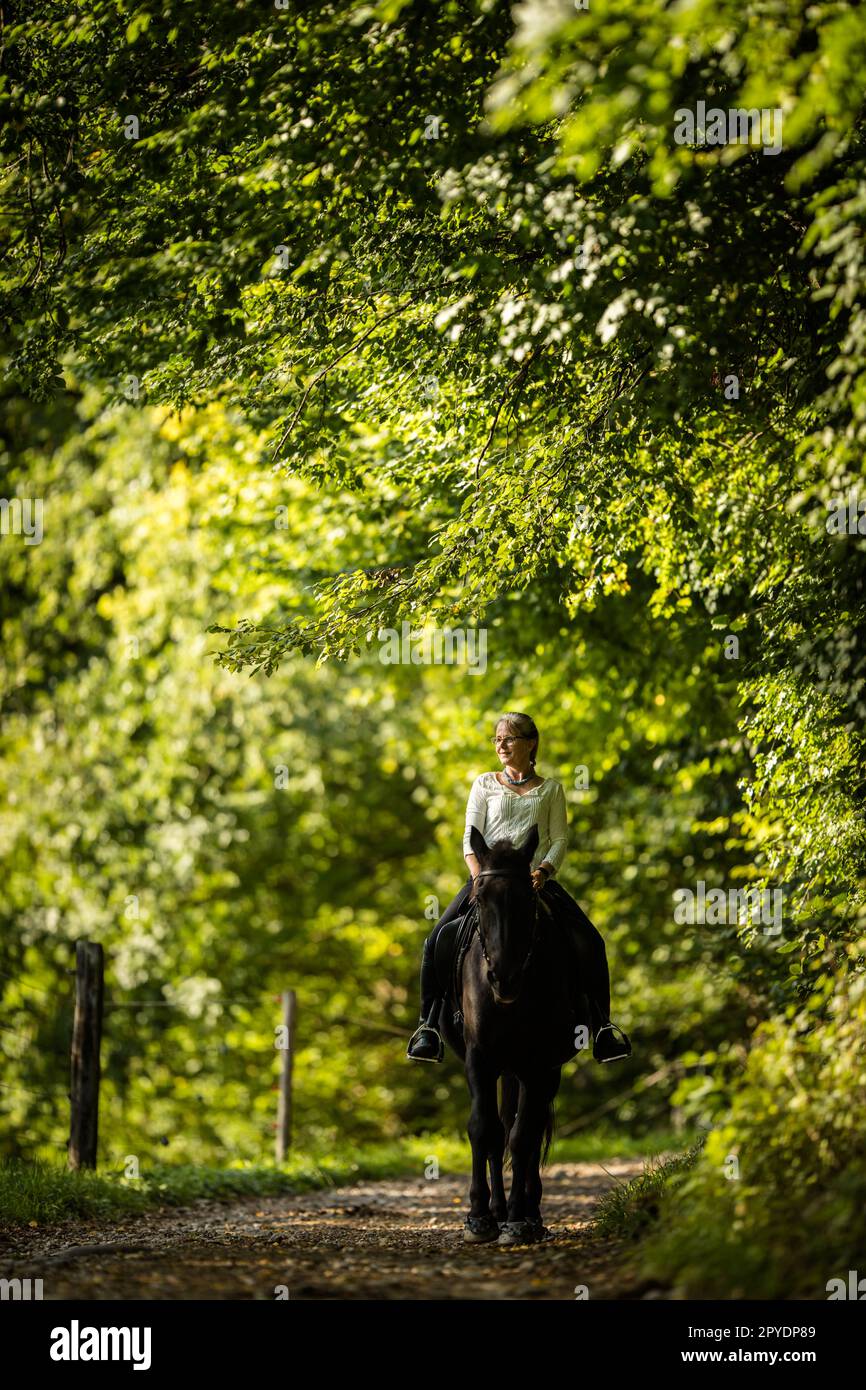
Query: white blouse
<point x="502" y="814"/>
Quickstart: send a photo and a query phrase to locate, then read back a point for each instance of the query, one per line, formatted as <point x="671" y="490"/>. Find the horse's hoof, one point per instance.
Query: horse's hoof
<point x="519" y="1233"/>
<point x="479" y="1230"/>
<point x="540" y="1231"/>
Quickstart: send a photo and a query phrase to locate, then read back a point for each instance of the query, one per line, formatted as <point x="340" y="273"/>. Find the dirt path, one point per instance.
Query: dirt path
<point x="400" y="1239"/>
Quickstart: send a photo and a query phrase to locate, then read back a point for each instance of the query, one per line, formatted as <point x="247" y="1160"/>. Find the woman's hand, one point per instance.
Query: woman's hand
<point x="539" y="878"/>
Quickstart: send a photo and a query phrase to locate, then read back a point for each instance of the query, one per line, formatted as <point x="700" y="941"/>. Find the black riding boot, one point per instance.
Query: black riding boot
<point x="610" y="1043"/>
<point x="608" y="1047"/>
<point x="426" y="1043"/>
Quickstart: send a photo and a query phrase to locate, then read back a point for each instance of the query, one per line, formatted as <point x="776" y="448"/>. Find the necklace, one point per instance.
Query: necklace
<point x="518" y="781"/>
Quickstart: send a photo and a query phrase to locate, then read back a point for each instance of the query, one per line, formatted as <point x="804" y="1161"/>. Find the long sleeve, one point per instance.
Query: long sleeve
<point x="557" y="828"/>
<point x="476" y="813"/>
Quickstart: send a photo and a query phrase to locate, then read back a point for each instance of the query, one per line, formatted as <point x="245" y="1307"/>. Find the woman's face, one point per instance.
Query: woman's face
<point x="512" y="749"/>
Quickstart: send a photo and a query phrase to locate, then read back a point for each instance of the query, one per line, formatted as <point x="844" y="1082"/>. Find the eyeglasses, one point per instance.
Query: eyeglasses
<point x="507" y="742"/>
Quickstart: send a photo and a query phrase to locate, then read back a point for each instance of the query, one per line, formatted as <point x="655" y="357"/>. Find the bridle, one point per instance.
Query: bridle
<point x="504" y="873"/>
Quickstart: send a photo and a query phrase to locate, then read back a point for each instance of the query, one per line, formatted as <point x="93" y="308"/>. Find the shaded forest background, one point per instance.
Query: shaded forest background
<point x="410" y="312"/>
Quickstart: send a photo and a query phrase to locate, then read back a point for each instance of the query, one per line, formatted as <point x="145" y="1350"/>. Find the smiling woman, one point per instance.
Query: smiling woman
<point x="508" y="807"/>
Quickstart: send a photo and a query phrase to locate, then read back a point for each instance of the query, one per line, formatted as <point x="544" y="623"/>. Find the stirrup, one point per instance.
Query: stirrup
<point x="440" y="1045"/>
<point x="625" y="1045"/>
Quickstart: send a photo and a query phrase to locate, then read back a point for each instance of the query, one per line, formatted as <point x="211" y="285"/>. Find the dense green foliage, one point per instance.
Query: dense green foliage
<point x="215" y="844"/>
<point x="418" y="312"/>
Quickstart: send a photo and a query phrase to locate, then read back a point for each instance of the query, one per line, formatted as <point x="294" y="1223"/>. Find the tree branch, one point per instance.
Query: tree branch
<point x="329" y="367"/>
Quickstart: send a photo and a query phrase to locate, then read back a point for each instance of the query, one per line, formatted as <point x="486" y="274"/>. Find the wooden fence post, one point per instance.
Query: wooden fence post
<point x="284" y="1104"/>
<point x="86" y="1038"/>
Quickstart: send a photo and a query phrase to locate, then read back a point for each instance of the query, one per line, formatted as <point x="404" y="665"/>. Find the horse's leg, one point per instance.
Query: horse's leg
<point x="534" y="1185"/>
<point x="521" y="1146"/>
<point x="536" y="1093"/>
<point x="499" y="1203"/>
<point x="487" y="1138"/>
<point x="507" y="1111"/>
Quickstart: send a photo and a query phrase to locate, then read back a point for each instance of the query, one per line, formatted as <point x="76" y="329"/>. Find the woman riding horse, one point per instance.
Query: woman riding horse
<point x="504" y="805"/>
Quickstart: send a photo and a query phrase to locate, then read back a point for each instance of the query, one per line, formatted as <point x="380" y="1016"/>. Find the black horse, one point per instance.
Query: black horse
<point x="522" y="1007"/>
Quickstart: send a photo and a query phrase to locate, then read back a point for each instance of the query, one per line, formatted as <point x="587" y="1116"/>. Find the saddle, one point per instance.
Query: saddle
<point x="452" y="943"/>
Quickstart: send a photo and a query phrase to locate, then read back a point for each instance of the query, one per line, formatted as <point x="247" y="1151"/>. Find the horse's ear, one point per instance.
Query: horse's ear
<point x="530" y="844"/>
<point x="478" y="844"/>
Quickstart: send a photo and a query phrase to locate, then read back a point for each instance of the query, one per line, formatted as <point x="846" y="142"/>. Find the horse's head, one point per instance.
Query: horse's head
<point x="506" y="910"/>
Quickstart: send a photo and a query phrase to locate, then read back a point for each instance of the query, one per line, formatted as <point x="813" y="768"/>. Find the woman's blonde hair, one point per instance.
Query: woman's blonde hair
<point x="522" y="725"/>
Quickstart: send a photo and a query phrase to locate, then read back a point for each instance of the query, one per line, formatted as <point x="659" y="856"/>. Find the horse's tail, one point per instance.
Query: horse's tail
<point x="508" y="1105"/>
<point x="548" y="1132"/>
<point x="509" y="1096"/>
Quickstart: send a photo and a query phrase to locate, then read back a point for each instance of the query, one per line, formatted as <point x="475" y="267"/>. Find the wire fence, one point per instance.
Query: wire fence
<point x="43" y="1022"/>
<point x="216" y="1055"/>
<point x="33" y="1039"/>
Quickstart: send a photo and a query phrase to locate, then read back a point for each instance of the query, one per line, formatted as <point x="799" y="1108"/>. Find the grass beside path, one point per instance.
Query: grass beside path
<point x="42" y="1193"/>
